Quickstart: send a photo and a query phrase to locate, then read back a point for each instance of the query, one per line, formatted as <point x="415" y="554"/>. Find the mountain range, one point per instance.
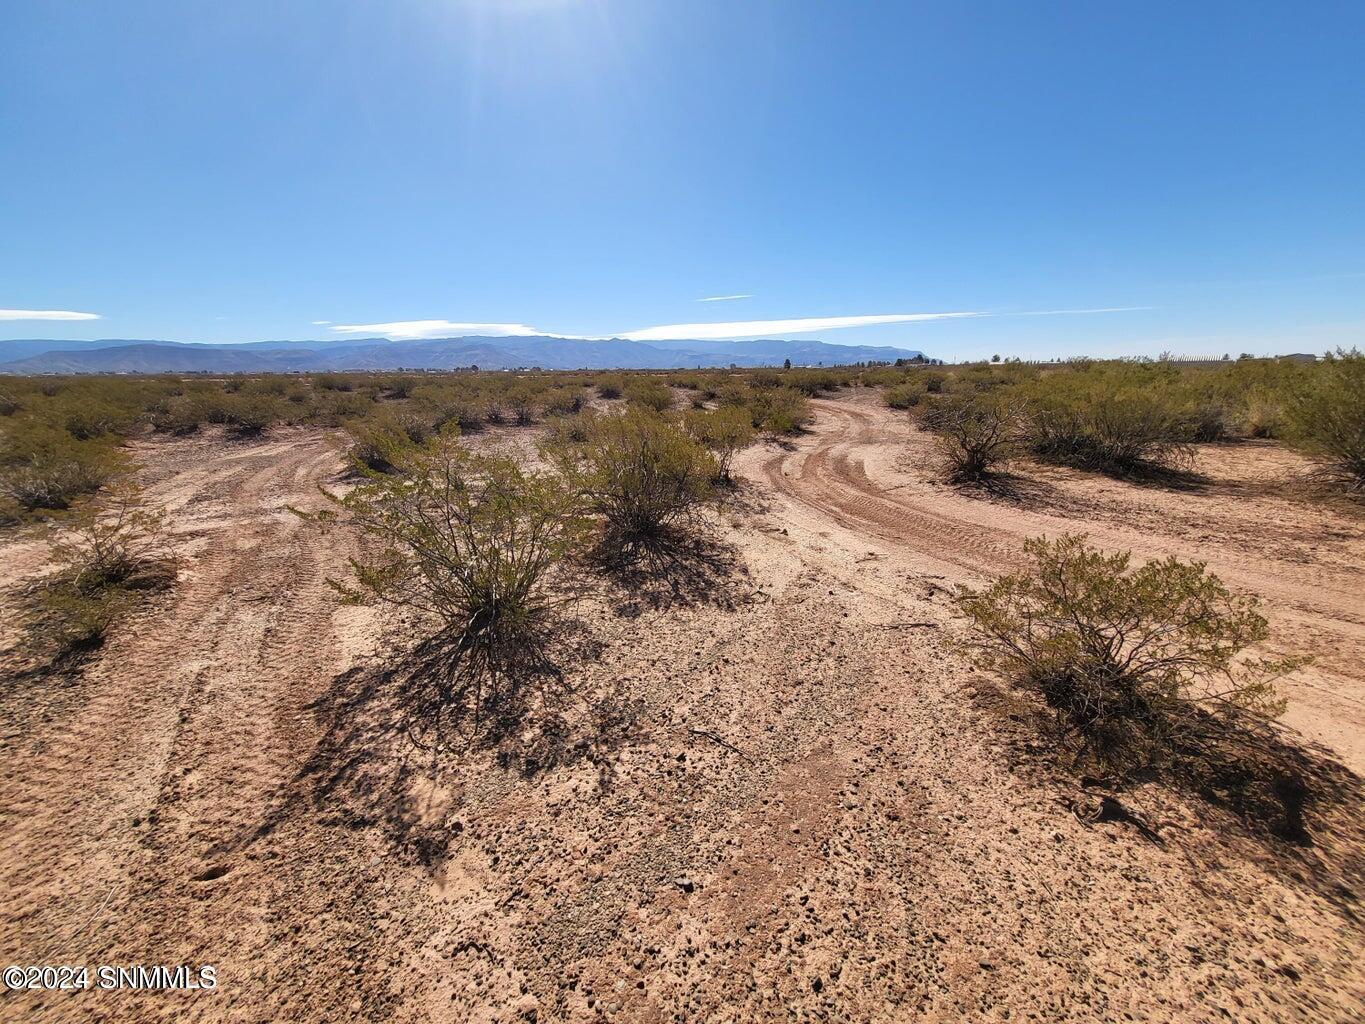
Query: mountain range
<point x="120" y="355"/>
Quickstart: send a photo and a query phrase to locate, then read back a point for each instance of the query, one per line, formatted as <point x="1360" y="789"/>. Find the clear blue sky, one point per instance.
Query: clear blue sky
<point x="236" y="171"/>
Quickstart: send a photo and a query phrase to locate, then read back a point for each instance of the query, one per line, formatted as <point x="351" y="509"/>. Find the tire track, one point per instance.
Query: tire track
<point x="1314" y="608"/>
<point x="180" y="733"/>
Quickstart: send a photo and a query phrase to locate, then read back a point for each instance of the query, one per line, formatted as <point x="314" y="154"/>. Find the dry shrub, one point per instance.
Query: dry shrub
<point x="1327" y="417"/>
<point x="975" y="435"/>
<point x="475" y="544"/>
<point x="1131" y="660"/>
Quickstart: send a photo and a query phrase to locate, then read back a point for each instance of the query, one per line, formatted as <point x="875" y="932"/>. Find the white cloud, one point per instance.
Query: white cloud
<point x="320" y="323"/>
<point x="45" y="314"/>
<point x="1061" y="312"/>
<point x="411" y="329"/>
<point x="724" y="298"/>
<point x="408" y="330"/>
<point x="764" y="328"/>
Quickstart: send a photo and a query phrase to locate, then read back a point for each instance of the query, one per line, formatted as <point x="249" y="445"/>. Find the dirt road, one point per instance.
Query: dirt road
<point x="871" y="472"/>
<point x="776" y="793"/>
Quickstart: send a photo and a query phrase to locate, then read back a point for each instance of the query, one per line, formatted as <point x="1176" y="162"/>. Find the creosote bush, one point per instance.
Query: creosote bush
<point x="46" y="468"/>
<point x="1326" y="417"/>
<point x="642" y="474"/>
<point x="1130" y="660"/>
<point x="722" y="432"/>
<point x="477" y="545"/>
<point x="974" y="435"/>
<point x="649" y="393"/>
<point x="1093" y="424"/>
<point x="105" y="555"/>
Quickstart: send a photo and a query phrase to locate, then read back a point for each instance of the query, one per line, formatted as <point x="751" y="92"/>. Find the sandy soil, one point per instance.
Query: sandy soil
<point x="777" y="792"/>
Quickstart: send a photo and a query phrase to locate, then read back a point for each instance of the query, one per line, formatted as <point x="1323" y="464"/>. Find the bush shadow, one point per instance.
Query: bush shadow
<point x="381" y="754"/>
<point x="1269" y="797"/>
<point x="672" y="566"/>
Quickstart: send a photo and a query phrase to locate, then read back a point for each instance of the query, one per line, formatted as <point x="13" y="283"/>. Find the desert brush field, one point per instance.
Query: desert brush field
<point x="764" y="695"/>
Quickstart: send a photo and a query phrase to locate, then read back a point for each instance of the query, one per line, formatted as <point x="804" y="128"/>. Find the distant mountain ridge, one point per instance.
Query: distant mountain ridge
<point x="118" y="355"/>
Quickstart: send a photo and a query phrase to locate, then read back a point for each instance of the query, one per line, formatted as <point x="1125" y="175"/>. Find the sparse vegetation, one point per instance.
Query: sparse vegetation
<point x="1125" y="657"/>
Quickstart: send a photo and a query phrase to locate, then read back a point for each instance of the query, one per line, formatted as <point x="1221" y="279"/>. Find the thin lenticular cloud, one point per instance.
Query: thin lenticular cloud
<point x="45" y="314"/>
<point x="413" y="329"/>
<point x="1064" y="312"/>
<point x="760" y="328"/>
<point x="723" y="298"/>
<point x="320" y="323"/>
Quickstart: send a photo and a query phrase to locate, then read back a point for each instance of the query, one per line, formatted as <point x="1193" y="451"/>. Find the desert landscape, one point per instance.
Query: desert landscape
<point x="776" y="785"/>
<point x="661" y="512"/>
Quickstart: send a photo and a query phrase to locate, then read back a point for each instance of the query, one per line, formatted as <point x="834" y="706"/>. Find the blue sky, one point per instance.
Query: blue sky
<point x="241" y="171"/>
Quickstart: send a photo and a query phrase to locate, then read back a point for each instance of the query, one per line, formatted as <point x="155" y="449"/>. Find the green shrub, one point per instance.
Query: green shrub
<point x="610" y="387"/>
<point x="93" y="419"/>
<point x="1206" y="421"/>
<point x="779" y="411"/>
<point x="812" y="383"/>
<point x="108" y="553"/>
<point x="1095" y="426"/>
<point x="180" y="415"/>
<point x="649" y="393"/>
<point x="722" y="432"/>
<point x="1123" y="656"/>
<point x="904" y="396"/>
<point x="9" y="405"/>
<point x="475" y="544"/>
<point x="46" y="468"/>
<point x="249" y="415"/>
<point x="1326" y="417"/>
<point x="1264" y="416"/>
<point x="377" y="443"/>
<point x="564" y="403"/>
<point x="334" y="408"/>
<point x="642" y="475"/>
<point x="571" y="430"/>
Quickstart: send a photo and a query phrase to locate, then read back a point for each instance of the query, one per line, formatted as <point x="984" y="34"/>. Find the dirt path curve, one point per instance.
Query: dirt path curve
<point x="132" y="790"/>
<point x="868" y="470"/>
